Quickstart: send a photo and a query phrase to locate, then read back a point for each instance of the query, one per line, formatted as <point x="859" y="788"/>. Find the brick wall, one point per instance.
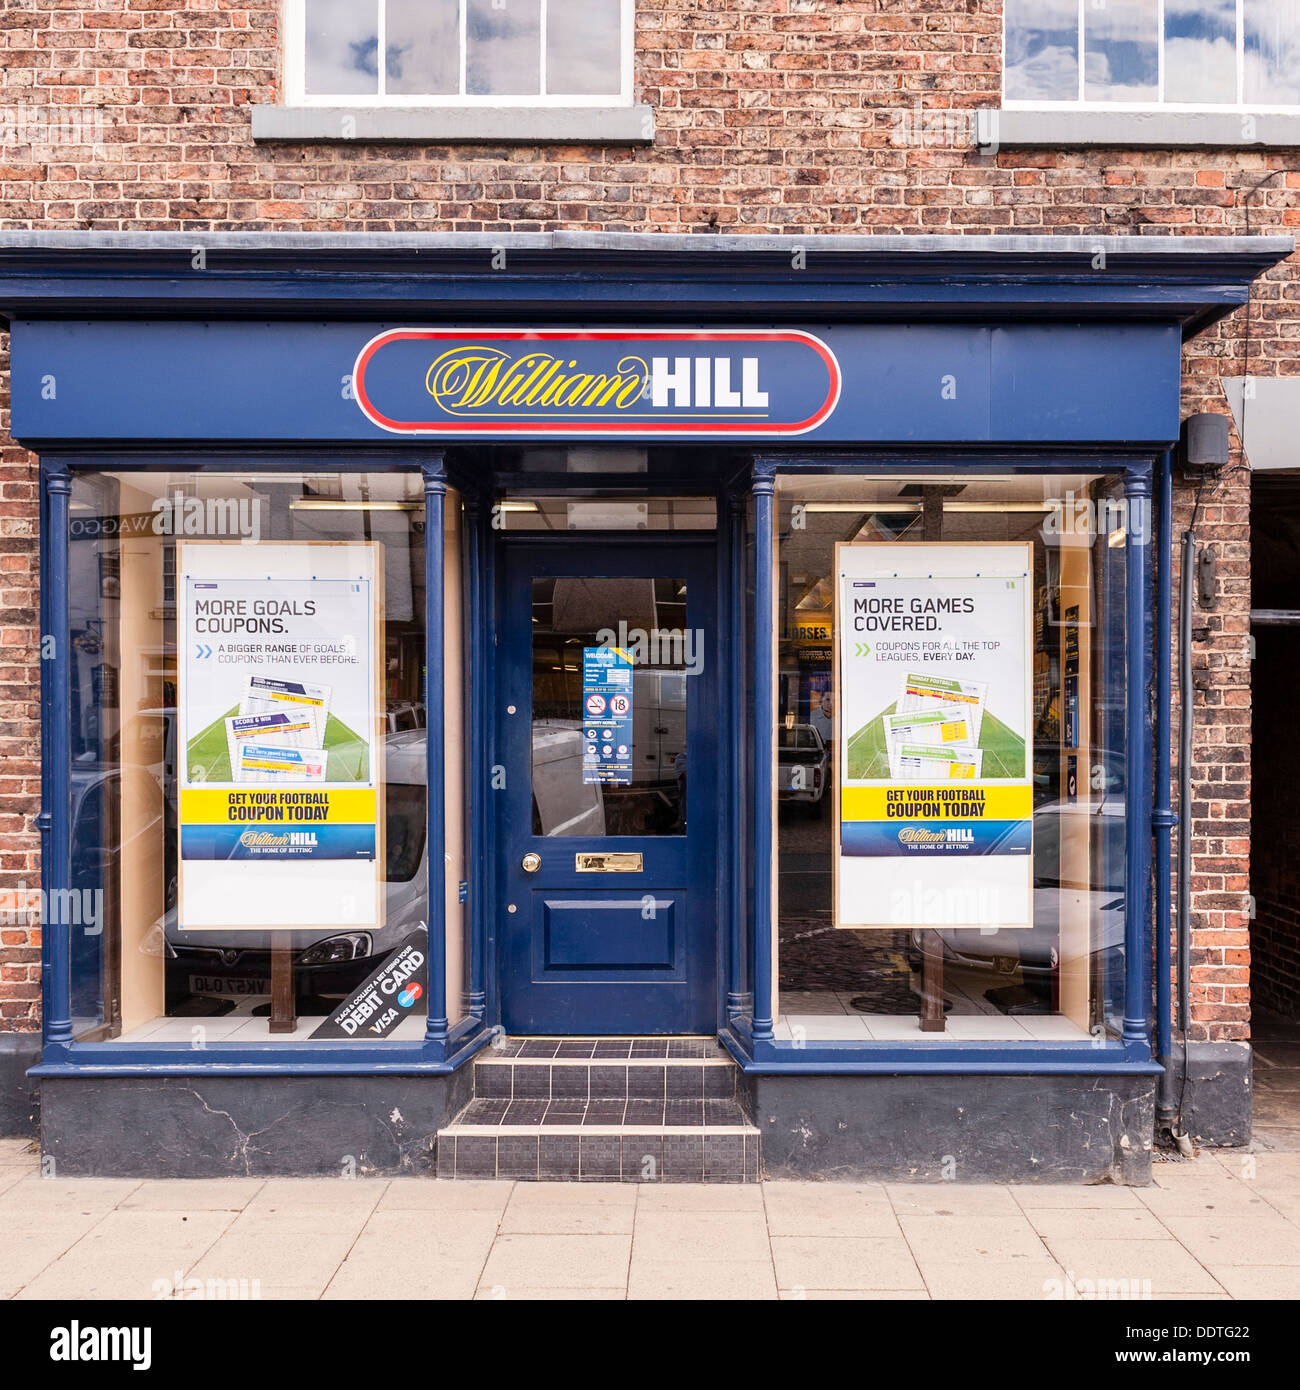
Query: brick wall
<point x="793" y="116"/>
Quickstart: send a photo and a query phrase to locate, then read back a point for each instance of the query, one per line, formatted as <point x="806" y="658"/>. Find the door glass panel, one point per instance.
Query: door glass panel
<point x="611" y="657"/>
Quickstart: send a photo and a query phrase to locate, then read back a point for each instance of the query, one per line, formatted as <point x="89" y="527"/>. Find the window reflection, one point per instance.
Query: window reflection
<point x="423" y="46"/>
<point x="635" y="781"/>
<point x="1201" y="51"/>
<point x="502" y="55"/>
<point x="1121" y="50"/>
<point x="1042" y="57"/>
<point x="342" y="47"/>
<point x="582" y="49"/>
<point x="1061" y="978"/>
<point x="1272" y="52"/>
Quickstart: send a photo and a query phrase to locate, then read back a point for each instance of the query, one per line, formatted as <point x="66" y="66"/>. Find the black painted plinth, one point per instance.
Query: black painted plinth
<point x="18" y="1096"/>
<point x="218" y="1126"/>
<point x="1074" y="1129"/>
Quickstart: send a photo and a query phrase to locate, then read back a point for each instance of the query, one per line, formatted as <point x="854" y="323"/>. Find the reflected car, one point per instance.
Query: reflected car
<point x="1034" y="951"/>
<point x="803" y="767"/>
<point x="328" y="964"/>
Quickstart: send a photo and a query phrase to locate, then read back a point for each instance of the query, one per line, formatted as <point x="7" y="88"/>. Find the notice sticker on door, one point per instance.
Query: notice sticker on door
<point x="607" y="701"/>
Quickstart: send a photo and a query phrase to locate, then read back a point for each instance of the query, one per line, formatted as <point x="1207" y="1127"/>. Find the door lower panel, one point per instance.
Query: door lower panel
<point x="597" y="937"/>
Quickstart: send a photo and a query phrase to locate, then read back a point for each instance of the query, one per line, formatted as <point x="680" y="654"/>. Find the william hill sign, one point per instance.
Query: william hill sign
<point x="511" y="381"/>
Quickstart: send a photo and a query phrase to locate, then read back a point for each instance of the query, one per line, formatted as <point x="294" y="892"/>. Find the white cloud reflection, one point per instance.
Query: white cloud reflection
<point x="342" y="41"/>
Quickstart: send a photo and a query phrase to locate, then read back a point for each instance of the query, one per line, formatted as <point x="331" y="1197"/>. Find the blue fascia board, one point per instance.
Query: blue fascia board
<point x="958" y="384"/>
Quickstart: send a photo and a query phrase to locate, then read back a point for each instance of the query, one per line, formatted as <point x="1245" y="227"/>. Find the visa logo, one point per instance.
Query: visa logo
<point x="705" y="381"/>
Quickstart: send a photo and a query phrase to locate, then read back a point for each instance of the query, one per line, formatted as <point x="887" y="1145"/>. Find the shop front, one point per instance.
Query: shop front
<point x="514" y="701"/>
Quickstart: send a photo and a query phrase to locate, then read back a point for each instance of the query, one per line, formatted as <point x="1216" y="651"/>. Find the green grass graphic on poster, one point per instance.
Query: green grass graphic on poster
<point x="868" y="757"/>
<point x="208" y="756"/>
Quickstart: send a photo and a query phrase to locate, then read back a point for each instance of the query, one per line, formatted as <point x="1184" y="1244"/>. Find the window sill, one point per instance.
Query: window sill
<point x="524" y="125"/>
<point x="1058" y="128"/>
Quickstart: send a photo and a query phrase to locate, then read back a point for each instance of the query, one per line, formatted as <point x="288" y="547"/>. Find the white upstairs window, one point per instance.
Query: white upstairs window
<point x="458" y="52"/>
<point x="1153" y="54"/>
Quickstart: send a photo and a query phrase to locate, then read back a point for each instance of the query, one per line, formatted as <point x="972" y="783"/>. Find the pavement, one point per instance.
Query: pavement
<point x="1222" y="1226"/>
<point x="1275" y="1105"/>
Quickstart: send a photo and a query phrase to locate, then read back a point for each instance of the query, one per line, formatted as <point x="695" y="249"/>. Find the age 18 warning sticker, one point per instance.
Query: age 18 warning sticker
<point x="607" y="692"/>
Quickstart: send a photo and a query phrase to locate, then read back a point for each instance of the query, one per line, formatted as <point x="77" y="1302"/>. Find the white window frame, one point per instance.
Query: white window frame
<point x="294" y="47"/>
<point x="1081" y="103"/>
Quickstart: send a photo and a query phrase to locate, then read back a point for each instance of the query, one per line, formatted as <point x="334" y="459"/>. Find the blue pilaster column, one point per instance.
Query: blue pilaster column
<point x="435" y="494"/>
<point x="733" y="595"/>
<point x="56" y="658"/>
<point x="476" y="770"/>
<point x="1137" y="899"/>
<point x="764" y="678"/>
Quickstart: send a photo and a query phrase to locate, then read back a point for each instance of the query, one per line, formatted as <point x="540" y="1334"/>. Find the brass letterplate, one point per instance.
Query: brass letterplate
<point x="616" y="862"/>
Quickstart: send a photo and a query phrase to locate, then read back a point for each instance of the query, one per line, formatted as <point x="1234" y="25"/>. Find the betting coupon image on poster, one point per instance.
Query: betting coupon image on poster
<point x="934" y="785"/>
<point x="281" y="756"/>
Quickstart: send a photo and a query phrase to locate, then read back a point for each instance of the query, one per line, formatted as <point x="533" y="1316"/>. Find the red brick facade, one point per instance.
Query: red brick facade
<point x="775" y="116"/>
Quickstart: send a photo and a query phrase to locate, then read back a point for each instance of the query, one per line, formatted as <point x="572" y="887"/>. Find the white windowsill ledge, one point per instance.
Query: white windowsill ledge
<point x="523" y="125"/>
<point x="1057" y="128"/>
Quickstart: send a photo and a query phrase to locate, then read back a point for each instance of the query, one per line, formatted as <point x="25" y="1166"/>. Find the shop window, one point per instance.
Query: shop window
<point x="950" y="752"/>
<point x="459" y="52"/>
<point x="249" y="757"/>
<point x="1184" y="53"/>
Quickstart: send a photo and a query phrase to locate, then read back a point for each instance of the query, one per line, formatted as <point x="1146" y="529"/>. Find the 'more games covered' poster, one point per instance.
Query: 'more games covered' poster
<point x="278" y="742"/>
<point x="935" y="795"/>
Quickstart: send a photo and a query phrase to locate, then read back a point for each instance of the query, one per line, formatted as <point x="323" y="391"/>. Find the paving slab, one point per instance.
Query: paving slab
<point x="837" y="1262"/>
<point x="1089" y="1223"/>
<point x="730" y="1280"/>
<point x="970" y="1239"/>
<point x="1160" y="1266"/>
<point x="555" y="1218"/>
<point x="1245" y="1240"/>
<point x="528" y="1261"/>
<point x="1028" y="1280"/>
<point x="704" y="1235"/>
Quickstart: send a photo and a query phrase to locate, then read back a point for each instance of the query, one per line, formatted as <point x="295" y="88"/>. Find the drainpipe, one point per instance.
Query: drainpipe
<point x="1185" y="717"/>
<point x="1163" y="818"/>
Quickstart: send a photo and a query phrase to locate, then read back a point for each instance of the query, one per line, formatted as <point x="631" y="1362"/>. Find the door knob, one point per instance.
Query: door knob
<point x="531" y="862"/>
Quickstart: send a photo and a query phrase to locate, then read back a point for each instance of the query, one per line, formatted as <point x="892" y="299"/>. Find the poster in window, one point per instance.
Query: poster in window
<point x="281" y="760"/>
<point x="934" y="795"/>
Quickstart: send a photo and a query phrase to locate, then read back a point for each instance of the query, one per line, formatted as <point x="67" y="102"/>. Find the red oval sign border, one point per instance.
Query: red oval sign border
<point x="704" y="335"/>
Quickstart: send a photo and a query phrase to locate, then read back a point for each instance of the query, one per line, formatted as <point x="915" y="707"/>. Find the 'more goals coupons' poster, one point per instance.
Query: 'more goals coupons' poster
<point x="934" y="699"/>
<point x="280" y="757"/>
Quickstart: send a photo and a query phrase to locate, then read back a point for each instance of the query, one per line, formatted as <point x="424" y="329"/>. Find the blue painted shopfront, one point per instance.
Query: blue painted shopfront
<point x="988" y="358"/>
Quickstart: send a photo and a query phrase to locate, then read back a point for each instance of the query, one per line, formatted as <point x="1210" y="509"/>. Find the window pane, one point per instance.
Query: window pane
<point x="422" y="41"/>
<point x="1201" y="51"/>
<point x="1121" y="51"/>
<point x="1272" y="52"/>
<point x="342" y="48"/>
<point x="249" y="761"/>
<point x="582" y="48"/>
<point x="1060" y="977"/>
<point x="503" y="48"/>
<point x="1042" y="62"/>
<point x="610" y="723"/>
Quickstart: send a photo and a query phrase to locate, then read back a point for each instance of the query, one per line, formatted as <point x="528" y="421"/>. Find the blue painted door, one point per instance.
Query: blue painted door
<point x="606" y="835"/>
